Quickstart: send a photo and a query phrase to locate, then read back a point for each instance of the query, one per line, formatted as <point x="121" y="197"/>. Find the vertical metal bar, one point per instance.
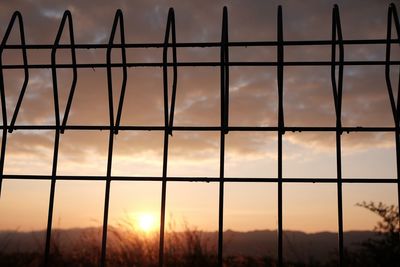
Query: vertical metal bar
<point x="124" y="73"/>
<point x="175" y="72"/>
<point x="114" y="128"/>
<point x="337" y="88"/>
<point x="26" y="74"/>
<point x="167" y="124"/>
<point x="4" y="116"/>
<point x="2" y="153"/>
<point x="224" y="60"/>
<point x="107" y="200"/>
<point x="221" y="201"/>
<point x="225" y="50"/>
<point x="56" y="138"/>
<point x="74" y="74"/>
<point x="163" y="202"/>
<point x="2" y="89"/>
<point x="51" y="199"/>
<point x="281" y="130"/>
<point x="387" y="66"/>
<point x="117" y="18"/>
<point x="392" y="15"/>
<point x="397" y="26"/>
<point x="165" y="149"/>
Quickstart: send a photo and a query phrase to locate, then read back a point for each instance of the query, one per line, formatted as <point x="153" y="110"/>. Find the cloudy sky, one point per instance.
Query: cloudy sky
<point x="308" y="101"/>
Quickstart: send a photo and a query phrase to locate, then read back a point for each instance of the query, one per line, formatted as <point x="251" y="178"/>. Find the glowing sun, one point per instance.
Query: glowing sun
<point x="146" y="222"/>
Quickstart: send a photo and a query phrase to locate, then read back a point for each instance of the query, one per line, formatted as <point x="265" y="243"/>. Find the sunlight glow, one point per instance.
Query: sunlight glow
<point x="146" y="222"/>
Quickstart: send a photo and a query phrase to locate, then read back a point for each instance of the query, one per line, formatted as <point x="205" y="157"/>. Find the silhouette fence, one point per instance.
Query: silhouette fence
<point x="61" y="125"/>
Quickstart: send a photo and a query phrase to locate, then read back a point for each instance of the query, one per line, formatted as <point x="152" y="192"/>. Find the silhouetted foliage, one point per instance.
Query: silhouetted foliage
<point x="385" y="249"/>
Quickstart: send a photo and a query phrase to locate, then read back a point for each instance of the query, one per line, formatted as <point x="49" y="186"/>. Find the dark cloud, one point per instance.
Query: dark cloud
<point x="253" y="99"/>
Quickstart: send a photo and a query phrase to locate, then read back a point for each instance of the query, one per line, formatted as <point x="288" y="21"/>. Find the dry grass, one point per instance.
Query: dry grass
<point x="128" y="246"/>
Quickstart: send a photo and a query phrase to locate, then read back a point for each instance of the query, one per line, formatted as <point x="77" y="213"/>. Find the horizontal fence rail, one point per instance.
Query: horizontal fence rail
<point x="337" y="63"/>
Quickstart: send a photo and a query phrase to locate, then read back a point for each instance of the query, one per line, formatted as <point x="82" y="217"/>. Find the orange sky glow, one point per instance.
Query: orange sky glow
<point x="248" y="206"/>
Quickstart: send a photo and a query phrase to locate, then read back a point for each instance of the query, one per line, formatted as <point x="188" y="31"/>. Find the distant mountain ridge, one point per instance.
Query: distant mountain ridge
<point x="298" y="246"/>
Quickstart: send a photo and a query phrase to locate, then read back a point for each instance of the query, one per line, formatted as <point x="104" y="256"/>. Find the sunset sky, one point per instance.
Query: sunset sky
<point x="308" y="101"/>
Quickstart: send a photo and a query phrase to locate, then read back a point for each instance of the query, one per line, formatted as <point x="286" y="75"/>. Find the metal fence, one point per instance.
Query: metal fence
<point x="337" y="64"/>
